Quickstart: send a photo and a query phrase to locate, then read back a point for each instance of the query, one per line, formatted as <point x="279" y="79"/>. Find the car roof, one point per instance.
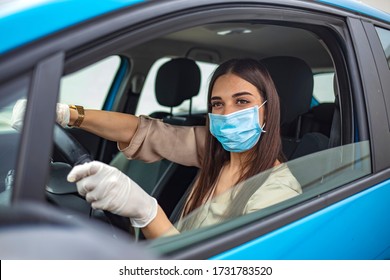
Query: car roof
<point x="357" y="7"/>
<point x="22" y="15"/>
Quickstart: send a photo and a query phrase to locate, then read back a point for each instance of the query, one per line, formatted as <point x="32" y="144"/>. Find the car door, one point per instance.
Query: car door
<point x="348" y="176"/>
<point x="345" y="217"/>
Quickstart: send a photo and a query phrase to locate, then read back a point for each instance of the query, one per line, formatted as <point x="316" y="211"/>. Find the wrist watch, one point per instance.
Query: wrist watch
<point x="80" y="112"/>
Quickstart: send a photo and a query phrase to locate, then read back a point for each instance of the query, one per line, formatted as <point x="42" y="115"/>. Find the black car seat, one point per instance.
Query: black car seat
<point x="322" y="120"/>
<point x="293" y="79"/>
<point x="320" y="130"/>
<point x="318" y="119"/>
<point x="177" y="80"/>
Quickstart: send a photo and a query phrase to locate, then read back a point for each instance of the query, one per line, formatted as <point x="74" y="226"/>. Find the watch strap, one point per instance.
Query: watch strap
<point x="81" y="114"/>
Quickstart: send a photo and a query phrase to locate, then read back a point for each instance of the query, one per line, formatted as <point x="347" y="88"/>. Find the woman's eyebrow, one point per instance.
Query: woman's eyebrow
<point x="238" y="94"/>
<point x="235" y="95"/>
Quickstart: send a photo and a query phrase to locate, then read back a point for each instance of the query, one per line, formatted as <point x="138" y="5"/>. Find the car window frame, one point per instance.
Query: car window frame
<point x="277" y="215"/>
<point x="373" y="105"/>
<point x="321" y="21"/>
<point x="75" y="58"/>
<point x="383" y="69"/>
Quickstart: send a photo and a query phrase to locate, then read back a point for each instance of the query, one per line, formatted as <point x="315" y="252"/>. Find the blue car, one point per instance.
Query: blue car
<point x="330" y="62"/>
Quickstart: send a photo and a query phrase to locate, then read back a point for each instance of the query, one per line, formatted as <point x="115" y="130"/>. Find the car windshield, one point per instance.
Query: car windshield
<point x="10" y="131"/>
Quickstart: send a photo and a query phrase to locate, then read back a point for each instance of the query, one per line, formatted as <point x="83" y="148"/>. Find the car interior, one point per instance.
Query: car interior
<point x="297" y="57"/>
<point x="294" y="56"/>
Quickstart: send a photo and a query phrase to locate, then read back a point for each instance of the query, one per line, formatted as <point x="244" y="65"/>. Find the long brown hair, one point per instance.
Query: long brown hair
<point x="260" y="158"/>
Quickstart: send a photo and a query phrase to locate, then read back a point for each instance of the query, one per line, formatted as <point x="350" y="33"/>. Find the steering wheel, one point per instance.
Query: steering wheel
<point x="69" y="147"/>
<point x="74" y="153"/>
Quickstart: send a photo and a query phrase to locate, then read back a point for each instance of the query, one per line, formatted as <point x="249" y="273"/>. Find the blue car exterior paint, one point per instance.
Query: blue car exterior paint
<point x="31" y="20"/>
<point x="358" y="7"/>
<point x="123" y="68"/>
<point x="358" y="234"/>
<point x="37" y="19"/>
<point x="344" y="230"/>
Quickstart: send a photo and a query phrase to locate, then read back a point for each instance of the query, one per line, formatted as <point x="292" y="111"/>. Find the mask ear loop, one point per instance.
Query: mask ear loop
<point x="264" y="122"/>
<point x="262" y="128"/>
<point x="262" y="104"/>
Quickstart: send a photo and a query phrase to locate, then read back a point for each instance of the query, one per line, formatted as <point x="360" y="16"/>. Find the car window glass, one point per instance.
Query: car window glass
<point x="384" y="36"/>
<point x="10" y="93"/>
<point x="148" y="102"/>
<point x="323" y="90"/>
<point x="92" y="81"/>
<point x="330" y="169"/>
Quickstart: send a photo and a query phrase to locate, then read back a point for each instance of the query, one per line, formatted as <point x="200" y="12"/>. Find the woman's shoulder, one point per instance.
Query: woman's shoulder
<point x="281" y="176"/>
<point x="279" y="186"/>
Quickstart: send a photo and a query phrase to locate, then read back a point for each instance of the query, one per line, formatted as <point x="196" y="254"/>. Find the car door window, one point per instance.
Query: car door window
<point x="93" y="81"/>
<point x="10" y="132"/>
<point x="384" y="36"/>
<point x="323" y="90"/>
<point x="329" y="169"/>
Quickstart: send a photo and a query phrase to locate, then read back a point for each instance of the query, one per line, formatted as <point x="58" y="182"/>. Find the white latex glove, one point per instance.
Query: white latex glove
<point x="107" y="188"/>
<point x="63" y="114"/>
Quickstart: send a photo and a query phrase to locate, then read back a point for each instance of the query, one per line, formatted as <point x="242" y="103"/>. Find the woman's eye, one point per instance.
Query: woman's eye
<point x="216" y="104"/>
<point x="242" y="101"/>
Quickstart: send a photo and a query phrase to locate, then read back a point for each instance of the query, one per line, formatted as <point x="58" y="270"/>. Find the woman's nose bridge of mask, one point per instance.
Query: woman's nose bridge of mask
<point x="230" y="107"/>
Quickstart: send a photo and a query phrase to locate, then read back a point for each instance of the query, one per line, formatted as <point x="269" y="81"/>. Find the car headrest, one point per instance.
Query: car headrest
<point x="293" y="79"/>
<point x="177" y="80"/>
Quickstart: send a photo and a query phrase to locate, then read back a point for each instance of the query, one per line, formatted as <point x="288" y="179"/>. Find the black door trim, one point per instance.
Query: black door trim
<point x="32" y="168"/>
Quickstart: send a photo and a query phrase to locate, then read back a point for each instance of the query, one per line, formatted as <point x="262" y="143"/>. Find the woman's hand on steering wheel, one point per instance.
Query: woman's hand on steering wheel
<point x="107" y="188"/>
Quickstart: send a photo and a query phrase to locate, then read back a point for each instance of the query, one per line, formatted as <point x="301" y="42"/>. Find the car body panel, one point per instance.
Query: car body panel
<point x="43" y="18"/>
<point x="358" y="7"/>
<point x="322" y="233"/>
<point x="17" y="13"/>
<point x="344" y="230"/>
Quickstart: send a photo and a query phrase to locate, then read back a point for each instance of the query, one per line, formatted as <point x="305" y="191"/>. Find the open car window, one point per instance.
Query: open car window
<point x="301" y="128"/>
<point x="90" y="86"/>
<point x="384" y="36"/>
<point x="323" y="90"/>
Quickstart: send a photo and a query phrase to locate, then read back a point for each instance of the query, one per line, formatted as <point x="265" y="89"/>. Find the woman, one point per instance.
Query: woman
<point x="241" y="139"/>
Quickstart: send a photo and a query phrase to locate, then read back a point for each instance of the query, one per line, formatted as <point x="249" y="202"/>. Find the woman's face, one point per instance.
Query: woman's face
<point x="232" y="93"/>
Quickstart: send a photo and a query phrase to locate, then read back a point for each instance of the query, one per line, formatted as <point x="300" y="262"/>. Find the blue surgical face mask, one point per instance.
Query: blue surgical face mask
<point x="238" y="131"/>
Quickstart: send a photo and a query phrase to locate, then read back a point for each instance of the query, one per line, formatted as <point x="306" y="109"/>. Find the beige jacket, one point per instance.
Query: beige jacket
<point x="279" y="186"/>
<point x="155" y="140"/>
